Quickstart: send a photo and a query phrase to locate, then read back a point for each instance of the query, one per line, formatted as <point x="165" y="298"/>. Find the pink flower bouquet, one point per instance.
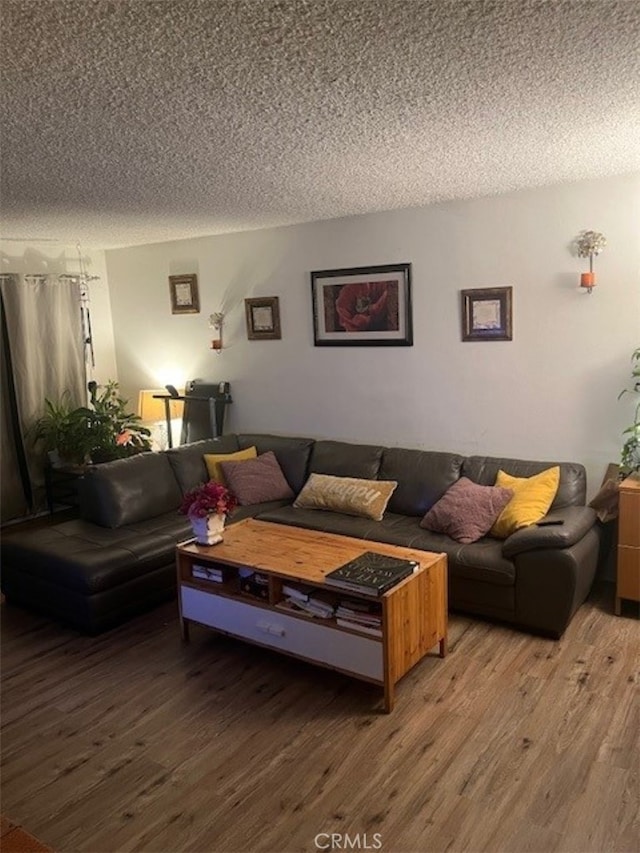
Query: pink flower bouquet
<point x="208" y="499"/>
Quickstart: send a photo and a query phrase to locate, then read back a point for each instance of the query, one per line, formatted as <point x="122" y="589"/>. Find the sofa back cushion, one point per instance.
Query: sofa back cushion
<point x="572" y="490"/>
<point x="292" y="454"/>
<point x="341" y="459"/>
<point x="187" y="461"/>
<point x="423" y="477"/>
<point x="127" y="491"/>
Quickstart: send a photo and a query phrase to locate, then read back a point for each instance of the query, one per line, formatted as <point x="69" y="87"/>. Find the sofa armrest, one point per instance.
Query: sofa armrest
<point x="576" y="522"/>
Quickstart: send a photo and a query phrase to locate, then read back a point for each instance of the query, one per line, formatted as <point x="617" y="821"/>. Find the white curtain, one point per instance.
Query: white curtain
<point x="43" y="356"/>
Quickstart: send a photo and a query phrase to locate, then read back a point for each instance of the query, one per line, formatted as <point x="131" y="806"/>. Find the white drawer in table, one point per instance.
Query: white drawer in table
<point x="322" y="643"/>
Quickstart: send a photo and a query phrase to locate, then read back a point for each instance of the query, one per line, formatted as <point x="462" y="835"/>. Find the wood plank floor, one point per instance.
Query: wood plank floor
<point x="132" y="741"/>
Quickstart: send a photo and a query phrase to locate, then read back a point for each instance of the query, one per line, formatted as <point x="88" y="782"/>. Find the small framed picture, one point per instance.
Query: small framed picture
<point x="362" y="306"/>
<point x="263" y="318"/>
<point x="184" y="294"/>
<point x="486" y="314"/>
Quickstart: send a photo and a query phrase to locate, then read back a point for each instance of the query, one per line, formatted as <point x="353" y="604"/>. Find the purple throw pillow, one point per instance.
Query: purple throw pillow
<point x="467" y="511"/>
<point x="255" y="481"/>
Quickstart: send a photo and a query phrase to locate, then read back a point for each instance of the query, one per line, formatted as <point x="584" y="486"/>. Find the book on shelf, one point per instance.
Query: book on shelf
<point x="359" y="605"/>
<point x="216" y="574"/>
<point x="363" y="618"/>
<point x="371" y="573"/>
<point x="318" y="604"/>
<point x="300" y="592"/>
<point x="359" y="627"/>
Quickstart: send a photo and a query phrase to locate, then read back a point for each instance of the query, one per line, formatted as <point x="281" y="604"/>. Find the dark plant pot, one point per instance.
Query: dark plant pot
<point x="102" y="455"/>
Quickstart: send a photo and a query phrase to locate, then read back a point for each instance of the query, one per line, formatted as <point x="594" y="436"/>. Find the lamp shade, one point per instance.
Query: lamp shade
<point x="151" y="410"/>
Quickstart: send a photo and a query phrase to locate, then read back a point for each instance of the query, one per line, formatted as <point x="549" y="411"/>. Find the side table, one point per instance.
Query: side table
<point x="628" y="574"/>
<point x="61" y="485"/>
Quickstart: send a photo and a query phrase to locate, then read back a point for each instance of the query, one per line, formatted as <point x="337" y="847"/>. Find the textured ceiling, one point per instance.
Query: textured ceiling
<point x="129" y="121"/>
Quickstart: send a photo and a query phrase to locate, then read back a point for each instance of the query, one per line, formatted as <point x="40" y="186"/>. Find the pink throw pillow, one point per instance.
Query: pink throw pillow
<point x="467" y="510"/>
<point x="255" y="481"/>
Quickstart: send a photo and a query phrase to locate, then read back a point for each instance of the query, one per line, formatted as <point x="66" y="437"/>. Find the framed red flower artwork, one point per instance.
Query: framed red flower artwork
<point x="362" y="306"/>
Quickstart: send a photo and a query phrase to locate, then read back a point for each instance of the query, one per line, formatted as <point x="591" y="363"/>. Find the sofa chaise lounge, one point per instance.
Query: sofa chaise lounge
<point x="117" y="559"/>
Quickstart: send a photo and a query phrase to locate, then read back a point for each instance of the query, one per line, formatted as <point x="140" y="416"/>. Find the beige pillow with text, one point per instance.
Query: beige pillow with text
<point x="365" y="498"/>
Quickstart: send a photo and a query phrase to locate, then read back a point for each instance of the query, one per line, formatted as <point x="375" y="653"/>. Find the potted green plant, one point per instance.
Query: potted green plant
<point x="630" y="455"/>
<point x="99" y="432"/>
<point x="61" y="431"/>
<point x="115" y="432"/>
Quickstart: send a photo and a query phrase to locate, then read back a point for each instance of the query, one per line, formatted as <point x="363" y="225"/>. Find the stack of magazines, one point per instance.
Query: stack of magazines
<point x="216" y="574"/>
<point x="307" y="599"/>
<point x="359" y="616"/>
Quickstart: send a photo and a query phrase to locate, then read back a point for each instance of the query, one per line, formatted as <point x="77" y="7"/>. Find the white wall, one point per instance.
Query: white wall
<point x="550" y="394"/>
<point x="55" y="259"/>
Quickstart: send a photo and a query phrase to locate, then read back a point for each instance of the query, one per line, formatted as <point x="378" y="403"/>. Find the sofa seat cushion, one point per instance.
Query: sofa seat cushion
<point x="423" y="476"/>
<point x="91" y="559"/>
<point x="253" y="510"/>
<point x="320" y="519"/>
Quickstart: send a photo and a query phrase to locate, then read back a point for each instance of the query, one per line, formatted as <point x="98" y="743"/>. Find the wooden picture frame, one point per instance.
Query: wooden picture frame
<point x="362" y="306"/>
<point x="487" y="314"/>
<point x="184" y="294"/>
<point x="263" y="318"/>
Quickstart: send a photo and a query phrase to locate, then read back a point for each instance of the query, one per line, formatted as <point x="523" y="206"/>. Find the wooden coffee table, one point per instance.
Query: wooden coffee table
<point x="413" y="612"/>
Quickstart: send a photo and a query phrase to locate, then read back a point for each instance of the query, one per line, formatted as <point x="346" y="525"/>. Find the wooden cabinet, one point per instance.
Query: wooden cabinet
<point x="628" y="574"/>
<point x="412" y="614"/>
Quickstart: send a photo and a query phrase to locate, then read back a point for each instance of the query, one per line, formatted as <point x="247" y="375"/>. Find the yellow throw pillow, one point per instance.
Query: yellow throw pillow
<point x="213" y="460"/>
<point x="365" y="498"/>
<point x="531" y="500"/>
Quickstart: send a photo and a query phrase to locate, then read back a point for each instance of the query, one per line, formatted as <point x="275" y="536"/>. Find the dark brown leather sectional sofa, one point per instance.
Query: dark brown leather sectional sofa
<point x="118" y="558"/>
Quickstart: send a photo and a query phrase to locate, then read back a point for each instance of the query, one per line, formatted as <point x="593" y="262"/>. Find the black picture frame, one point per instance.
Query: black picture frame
<point x="263" y="318"/>
<point x="184" y="294"/>
<point x="362" y="306"/>
<point x="487" y="314"/>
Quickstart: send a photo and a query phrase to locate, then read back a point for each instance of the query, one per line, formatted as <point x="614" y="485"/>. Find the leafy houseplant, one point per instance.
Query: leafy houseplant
<point x="115" y="432"/>
<point x="630" y="455"/>
<point x="60" y="429"/>
<point x="103" y="431"/>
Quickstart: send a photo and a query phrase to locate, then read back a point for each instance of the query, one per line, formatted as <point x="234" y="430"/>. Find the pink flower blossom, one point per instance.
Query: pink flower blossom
<point x="207" y="499"/>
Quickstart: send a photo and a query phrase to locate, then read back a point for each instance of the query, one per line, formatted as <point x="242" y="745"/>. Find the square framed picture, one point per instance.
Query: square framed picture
<point x="263" y="318"/>
<point x="487" y="314"/>
<point x="184" y="294"/>
<point x="362" y="306"/>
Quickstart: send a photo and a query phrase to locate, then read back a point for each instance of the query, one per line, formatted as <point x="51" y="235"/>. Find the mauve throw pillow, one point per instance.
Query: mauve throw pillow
<point x="467" y="510"/>
<point x="255" y="481"/>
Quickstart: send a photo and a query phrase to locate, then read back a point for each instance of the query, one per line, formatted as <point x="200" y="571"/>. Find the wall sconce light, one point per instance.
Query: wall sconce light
<point x="588" y="244"/>
<point x="216" y="321"/>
